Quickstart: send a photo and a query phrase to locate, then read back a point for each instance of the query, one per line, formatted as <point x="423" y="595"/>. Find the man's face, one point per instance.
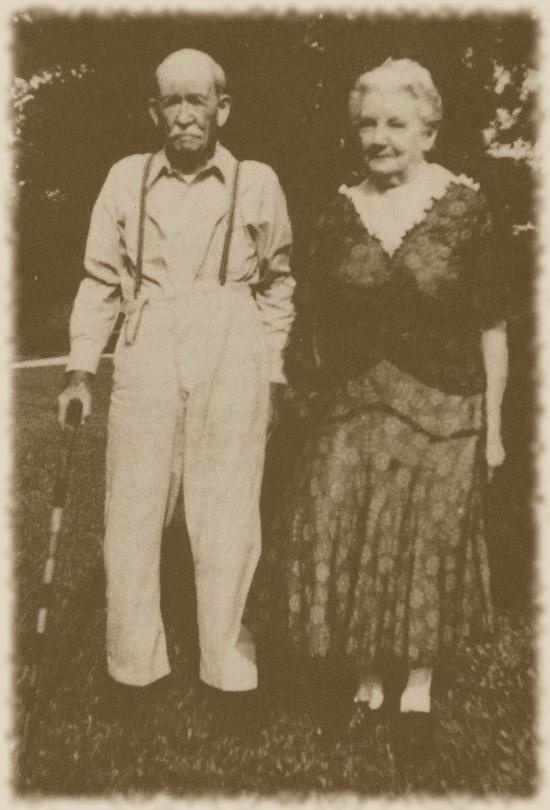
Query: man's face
<point x="188" y="111"/>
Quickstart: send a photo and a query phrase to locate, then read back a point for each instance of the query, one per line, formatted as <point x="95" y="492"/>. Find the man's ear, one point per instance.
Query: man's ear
<point x="224" y="108"/>
<point x="153" y="111"/>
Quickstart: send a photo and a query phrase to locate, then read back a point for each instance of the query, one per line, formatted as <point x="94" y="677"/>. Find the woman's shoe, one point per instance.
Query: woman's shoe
<point x="363" y="719"/>
<point x="412" y="736"/>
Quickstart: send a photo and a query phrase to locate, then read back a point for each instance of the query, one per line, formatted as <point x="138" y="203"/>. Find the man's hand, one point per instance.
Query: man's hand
<point x="78" y="387"/>
<point x="494" y="452"/>
<point x="276" y="395"/>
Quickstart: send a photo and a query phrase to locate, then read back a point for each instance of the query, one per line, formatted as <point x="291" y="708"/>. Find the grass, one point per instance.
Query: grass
<point x="484" y="725"/>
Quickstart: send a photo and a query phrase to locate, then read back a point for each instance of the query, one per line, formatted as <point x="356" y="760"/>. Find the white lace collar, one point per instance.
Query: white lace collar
<point x="390" y="215"/>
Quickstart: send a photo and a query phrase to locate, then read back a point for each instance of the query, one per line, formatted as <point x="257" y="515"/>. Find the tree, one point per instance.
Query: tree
<point x="81" y="83"/>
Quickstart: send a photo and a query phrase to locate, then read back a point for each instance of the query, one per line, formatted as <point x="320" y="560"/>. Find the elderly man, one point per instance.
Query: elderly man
<point x="193" y="247"/>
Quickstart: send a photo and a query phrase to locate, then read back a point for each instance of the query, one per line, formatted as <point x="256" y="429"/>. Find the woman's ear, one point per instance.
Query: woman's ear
<point x="430" y="139"/>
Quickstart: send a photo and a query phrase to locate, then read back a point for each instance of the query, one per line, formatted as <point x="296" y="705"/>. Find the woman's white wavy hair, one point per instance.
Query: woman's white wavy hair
<point x="400" y="74"/>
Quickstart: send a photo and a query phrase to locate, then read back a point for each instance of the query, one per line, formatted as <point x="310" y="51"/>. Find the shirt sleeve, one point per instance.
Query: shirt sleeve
<point x="276" y="287"/>
<point x="97" y="301"/>
<point x="490" y="282"/>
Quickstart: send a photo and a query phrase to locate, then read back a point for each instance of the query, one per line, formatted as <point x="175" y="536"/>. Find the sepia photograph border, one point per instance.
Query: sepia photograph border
<point x="541" y="496"/>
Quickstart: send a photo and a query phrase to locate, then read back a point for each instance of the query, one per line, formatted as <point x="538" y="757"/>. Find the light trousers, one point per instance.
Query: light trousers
<point x="188" y="411"/>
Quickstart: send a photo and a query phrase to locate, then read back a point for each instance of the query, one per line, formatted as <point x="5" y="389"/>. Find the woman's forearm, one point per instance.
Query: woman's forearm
<point x="494" y="346"/>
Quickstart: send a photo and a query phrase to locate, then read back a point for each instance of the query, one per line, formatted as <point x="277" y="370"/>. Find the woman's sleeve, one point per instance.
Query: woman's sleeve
<point x="491" y="294"/>
<point x="302" y="361"/>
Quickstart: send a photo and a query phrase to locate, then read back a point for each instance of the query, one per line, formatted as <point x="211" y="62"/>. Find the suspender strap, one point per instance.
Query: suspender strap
<point x="141" y="226"/>
<point x="225" y="255"/>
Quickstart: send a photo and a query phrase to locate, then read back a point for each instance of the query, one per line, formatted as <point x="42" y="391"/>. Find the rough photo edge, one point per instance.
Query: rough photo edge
<point x="541" y="496"/>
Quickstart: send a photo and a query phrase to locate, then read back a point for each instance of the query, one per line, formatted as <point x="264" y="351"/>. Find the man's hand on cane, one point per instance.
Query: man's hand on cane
<point x="79" y="388"/>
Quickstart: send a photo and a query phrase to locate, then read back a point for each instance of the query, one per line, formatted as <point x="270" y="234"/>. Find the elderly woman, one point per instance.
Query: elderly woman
<point x="400" y="347"/>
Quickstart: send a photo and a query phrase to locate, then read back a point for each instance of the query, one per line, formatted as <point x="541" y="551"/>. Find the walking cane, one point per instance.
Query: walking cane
<point x="72" y="422"/>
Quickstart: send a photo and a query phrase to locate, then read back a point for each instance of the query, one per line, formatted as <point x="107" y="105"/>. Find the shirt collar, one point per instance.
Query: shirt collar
<point x="221" y="163"/>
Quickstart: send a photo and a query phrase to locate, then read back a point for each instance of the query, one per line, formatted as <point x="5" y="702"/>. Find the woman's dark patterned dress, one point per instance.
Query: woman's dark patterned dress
<point x="377" y="552"/>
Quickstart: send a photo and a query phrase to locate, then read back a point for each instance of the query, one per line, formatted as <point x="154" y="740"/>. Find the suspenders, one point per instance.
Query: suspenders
<point x="141" y="226"/>
<point x="222" y="274"/>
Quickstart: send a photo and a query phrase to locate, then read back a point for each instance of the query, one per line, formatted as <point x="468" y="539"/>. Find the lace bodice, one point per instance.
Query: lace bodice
<point x="417" y="292"/>
<point x="390" y="215"/>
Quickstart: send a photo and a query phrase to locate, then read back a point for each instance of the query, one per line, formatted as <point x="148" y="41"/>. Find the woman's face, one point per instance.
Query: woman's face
<point x="392" y="135"/>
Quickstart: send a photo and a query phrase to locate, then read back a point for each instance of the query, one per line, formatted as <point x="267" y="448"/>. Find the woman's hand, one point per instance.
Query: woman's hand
<point x="494" y="346"/>
<point x="494" y="453"/>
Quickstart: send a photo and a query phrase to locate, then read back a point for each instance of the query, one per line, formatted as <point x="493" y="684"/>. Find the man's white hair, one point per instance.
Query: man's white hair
<point x="179" y="58"/>
<point x="400" y="74"/>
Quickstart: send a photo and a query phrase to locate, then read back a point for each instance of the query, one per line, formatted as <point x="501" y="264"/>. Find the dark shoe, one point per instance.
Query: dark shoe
<point x="120" y="701"/>
<point x="241" y="714"/>
<point x="412" y="737"/>
<point x="328" y="699"/>
<point x="332" y="719"/>
<point x="363" y="719"/>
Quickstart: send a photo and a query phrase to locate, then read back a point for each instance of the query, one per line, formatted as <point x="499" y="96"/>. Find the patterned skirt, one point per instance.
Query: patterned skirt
<point x="376" y="551"/>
